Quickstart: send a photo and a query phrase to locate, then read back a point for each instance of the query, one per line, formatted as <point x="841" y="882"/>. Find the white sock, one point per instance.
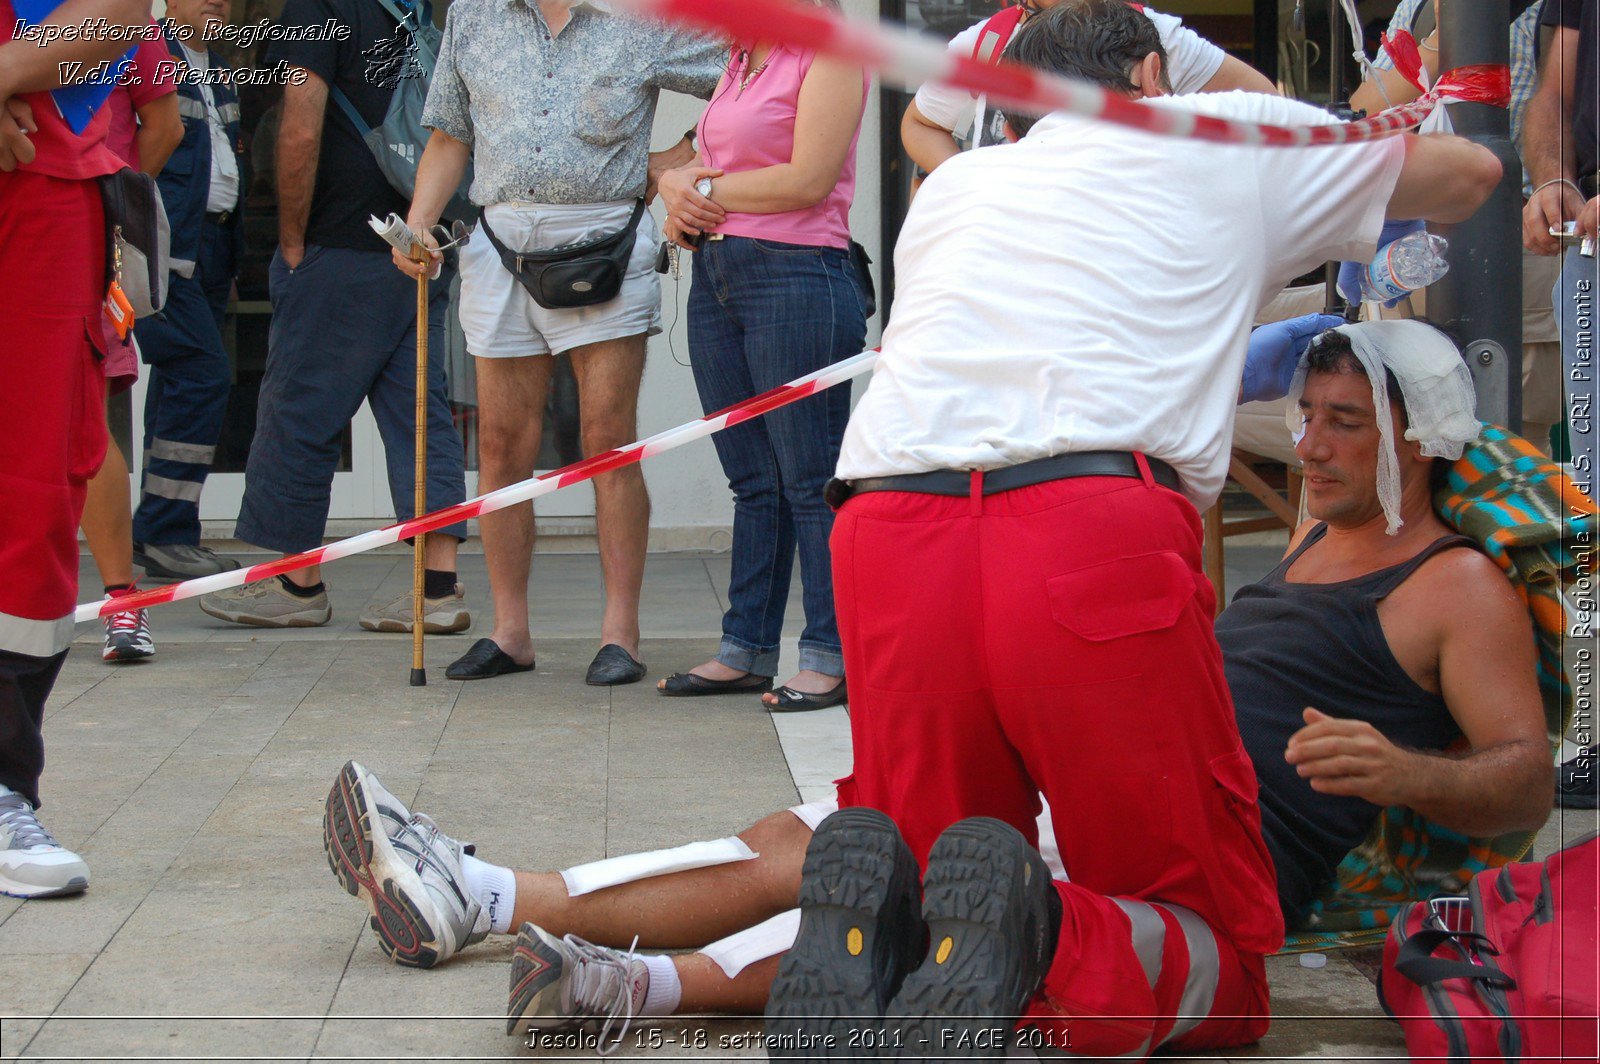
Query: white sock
<point x="666" y="990"/>
<point x="495" y="887"/>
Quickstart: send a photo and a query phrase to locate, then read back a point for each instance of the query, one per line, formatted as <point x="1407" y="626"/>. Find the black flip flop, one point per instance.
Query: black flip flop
<point x="484" y="661"/>
<point x="688" y="685"/>
<point x="792" y="701"/>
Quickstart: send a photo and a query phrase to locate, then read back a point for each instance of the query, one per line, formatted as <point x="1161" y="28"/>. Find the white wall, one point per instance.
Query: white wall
<point x="689" y="495"/>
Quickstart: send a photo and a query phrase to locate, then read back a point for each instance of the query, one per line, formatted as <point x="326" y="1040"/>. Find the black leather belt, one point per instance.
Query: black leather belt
<point x="218" y="217"/>
<point x="958" y="482"/>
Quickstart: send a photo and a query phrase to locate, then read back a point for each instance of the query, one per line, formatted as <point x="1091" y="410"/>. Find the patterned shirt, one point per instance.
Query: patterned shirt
<point x="1524" y="60"/>
<point x="560" y="118"/>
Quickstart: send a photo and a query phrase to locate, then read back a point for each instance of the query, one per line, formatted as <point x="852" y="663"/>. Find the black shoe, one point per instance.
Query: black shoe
<point x="986" y="898"/>
<point x="791" y="701"/>
<point x="1576" y="783"/>
<point x="859" y="934"/>
<point x="613" y="666"/>
<point x="483" y="661"/>
<point x="689" y="685"/>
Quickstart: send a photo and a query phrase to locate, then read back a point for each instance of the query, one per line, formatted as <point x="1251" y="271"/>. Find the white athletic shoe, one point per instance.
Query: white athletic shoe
<point x="557" y="984"/>
<point x="404" y="868"/>
<point x="127" y="636"/>
<point x="32" y="863"/>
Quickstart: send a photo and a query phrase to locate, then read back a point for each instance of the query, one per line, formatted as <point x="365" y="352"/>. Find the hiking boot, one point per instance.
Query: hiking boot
<point x="565" y="983"/>
<point x="440" y="616"/>
<point x="267" y="604"/>
<point x="181" y="561"/>
<point x="405" y="870"/>
<point x="127" y="636"/>
<point x="859" y="935"/>
<point x="32" y="863"/>
<point x="992" y="926"/>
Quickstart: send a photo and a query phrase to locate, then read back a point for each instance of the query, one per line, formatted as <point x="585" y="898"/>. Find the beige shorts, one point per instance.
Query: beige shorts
<point x="499" y="317"/>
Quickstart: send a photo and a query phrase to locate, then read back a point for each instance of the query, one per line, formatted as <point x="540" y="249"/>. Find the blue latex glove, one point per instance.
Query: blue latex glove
<point x="1275" y="350"/>
<point x="1350" y="272"/>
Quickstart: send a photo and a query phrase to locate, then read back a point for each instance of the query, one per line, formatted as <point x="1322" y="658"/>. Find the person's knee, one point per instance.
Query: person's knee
<point x="507" y="446"/>
<point x="780" y="840"/>
<point x="606" y="432"/>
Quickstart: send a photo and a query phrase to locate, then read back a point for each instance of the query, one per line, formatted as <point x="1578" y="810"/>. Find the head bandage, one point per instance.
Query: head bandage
<point x="1437" y="388"/>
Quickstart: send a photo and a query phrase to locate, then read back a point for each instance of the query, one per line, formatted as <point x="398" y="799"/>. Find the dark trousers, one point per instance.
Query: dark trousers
<point x="343" y="331"/>
<point x="189" y="382"/>
<point x="25" y="683"/>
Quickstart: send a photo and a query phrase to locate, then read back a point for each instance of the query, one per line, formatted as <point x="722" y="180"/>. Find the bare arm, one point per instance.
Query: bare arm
<point x="444" y="161"/>
<point x="1486" y="673"/>
<point x="827" y="115"/>
<point x="305" y="106"/>
<point x="1444" y="179"/>
<point x="927" y="142"/>
<point x="160" y="132"/>
<point x="1547" y="145"/>
<point x="25" y="66"/>
<point x="1237" y="74"/>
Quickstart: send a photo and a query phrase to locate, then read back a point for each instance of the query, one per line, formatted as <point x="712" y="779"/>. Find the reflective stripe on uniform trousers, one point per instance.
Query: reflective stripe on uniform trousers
<point x="178" y="451"/>
<point x="167" y="488"/>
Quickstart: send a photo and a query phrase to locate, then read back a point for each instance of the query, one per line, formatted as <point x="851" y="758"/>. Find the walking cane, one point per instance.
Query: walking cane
<point x="419" y="671"/>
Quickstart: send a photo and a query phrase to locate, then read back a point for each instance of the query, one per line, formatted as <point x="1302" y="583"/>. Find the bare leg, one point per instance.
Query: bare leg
<point x="439" y="552"/>
<point x="511" y="398"/>
<point x="707" y="988"/>
<point x="108" y="520"/>
<point x="683" y="910"/>
<point x="608" y="376"/>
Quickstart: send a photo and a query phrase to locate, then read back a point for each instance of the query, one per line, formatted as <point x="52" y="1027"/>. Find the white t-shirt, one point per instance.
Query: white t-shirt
<point x="1123" y="271"/>
<point x="223" y="194"/>
<point x="1191" y="62"/>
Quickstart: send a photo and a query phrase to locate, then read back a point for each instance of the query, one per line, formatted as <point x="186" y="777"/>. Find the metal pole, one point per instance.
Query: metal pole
<point x="419" y="671"/>
<point x="1336" y="50"/>
<point x="1479" y="302"/>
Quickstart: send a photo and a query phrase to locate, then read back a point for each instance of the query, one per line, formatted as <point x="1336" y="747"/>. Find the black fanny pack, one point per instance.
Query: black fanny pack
<point x="578" y="275"/>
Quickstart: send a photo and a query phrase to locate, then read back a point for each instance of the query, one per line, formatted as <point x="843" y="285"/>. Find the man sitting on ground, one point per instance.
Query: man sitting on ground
<point x="1402" y="642"/>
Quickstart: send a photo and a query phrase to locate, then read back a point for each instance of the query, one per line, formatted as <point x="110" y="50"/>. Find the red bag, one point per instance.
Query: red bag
<point x="1507" y="973"/>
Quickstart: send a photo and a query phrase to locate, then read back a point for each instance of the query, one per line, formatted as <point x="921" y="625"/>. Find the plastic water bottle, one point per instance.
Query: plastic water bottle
<point x="1402" y="266"/>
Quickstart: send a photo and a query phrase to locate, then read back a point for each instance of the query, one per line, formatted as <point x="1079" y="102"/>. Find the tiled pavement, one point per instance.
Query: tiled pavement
<point x="194" y="784"/>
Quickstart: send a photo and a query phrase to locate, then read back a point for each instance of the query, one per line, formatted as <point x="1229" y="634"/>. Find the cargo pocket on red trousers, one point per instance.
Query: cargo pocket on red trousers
<point x="1123" y="597"/>
<point x="1243" y="882"/>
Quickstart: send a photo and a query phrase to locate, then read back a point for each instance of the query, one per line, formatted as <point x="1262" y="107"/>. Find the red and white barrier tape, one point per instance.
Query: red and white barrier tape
<point x="907" y="58"/>
<point x="554" y="480"/>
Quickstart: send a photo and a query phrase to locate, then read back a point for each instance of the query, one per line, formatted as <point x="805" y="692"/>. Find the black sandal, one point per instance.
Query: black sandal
<point x="689" y="685"/>
<point x="792" y="701"/>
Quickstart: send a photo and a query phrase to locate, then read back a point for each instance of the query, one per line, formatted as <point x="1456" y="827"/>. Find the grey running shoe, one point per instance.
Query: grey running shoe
<point x="266" y="604"/>
<point x="558" y="984"/>
<point x="440" y="616"/>
<point x="127" y="636"/>
<point x="406" y="871"/>
<point x="181" y="561"/>
<point x="32" y="863"/>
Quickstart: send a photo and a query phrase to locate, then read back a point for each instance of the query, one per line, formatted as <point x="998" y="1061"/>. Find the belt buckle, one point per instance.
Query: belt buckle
<point x="221" y="217"/>
<point x="714" y="236"/>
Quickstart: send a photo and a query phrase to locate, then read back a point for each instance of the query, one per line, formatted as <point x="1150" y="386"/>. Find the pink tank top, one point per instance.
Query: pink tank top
<point x="754" y="128"/>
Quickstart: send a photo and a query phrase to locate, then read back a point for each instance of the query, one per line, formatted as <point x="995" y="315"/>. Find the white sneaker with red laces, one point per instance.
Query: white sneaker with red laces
<point x="127" y="636"/>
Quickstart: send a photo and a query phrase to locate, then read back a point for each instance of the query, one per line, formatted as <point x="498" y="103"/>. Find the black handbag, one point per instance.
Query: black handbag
<point x="578" y="275"/>
<point x="138" y="240"/>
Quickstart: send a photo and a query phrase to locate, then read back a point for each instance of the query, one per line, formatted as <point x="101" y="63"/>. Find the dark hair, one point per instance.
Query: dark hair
<point x="1095" y="40"/>
<point x="1332" y="352"/>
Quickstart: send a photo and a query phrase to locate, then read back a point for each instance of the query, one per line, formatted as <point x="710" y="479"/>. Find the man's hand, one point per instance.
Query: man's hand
<point x="694" y="212"/>
<point x="1275" y="351"/>
<point x="1350" y="757"/>
<point x="680" y="154"/>
<point x="1589" y="219"/>
<point x="16" y="122"/>
<point x="674" y="234"/>
<point x="410" y="266"/>
<point x="292" y="255"/>
<point x="1547" y="209"/>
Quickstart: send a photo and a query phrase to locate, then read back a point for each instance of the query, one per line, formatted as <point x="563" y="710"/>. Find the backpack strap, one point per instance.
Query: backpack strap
<point x="350" y="111"/>
<point x="412" y="18"/>
<point x="997" y="33"/>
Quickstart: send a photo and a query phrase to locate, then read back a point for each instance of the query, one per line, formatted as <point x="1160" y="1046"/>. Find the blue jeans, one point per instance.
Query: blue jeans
<point x="190" y="378"/>
<point x="344" y="329"/>
<point x="1574" y="299"/>
<point x="760" y="315"/>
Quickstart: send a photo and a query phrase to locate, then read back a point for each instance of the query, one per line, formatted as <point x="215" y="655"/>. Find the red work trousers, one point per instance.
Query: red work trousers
<point x="53" y="426"/>
<point x="1056" y="640"/>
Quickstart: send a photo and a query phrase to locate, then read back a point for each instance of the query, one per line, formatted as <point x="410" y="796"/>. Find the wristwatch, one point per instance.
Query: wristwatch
<point x="703" y="186"/>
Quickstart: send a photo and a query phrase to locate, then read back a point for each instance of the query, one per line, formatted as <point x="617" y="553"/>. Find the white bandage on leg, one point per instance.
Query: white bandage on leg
<point x="743" y="948"/>
<point x="629" y="868"/>
<point x="813" y="813"/>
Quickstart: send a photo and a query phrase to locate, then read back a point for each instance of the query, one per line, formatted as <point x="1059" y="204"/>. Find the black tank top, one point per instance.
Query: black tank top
<point x="1286" y="646"/>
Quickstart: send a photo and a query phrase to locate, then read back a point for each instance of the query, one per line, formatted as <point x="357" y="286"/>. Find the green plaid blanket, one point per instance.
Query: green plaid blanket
<point x="1527" y="515"/>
